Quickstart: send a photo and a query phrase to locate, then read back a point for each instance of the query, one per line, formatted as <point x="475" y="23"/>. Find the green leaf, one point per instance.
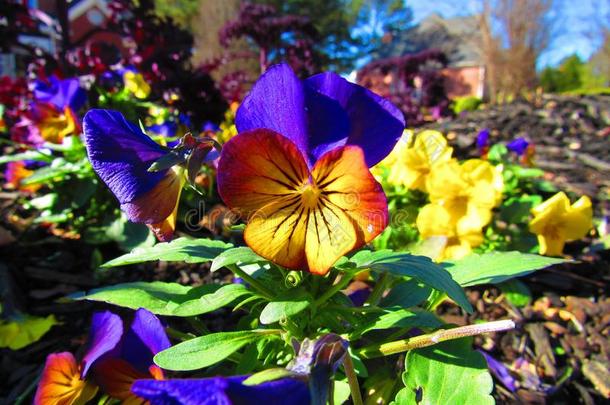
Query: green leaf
<point x="516" y="292"/>
<point x="495" y="267"/>
<point x="234" y="256"/>
<point x="22" y="332"/>
<point x="419" y="267"/>
<point x="398" y="318"/>
<point x="406" y="294"/>
<point x="271" y="374"/>
<point x="341" y="392"/>
<point x="158" y="297"/>
<point x="206" y="350"/>
<point x="277" y="310"/>
<point x="29" y="155"/>
<point x="211" y="302"/>
<point x="179" y="250"/>
<point x="447" y="373"/>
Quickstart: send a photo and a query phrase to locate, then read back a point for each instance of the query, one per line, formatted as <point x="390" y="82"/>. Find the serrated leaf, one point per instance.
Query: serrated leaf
<point x="158" y="297"/>
<point x="179" y="250"/>
<point x="236" y="255"/>
<point x="447" y="373"/>
<point x="277" y="310"/>
<point x="496" y="267"/>
<point x="419" y="267"/>
<point x="206" y="350"/>
<point x="398" y="318"/>
<point x="211" y="302"/>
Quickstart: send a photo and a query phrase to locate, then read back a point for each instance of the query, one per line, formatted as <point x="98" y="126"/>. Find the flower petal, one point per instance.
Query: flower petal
<point x="375" y="123"/>
<point x="222" y="391"/>
<point x="121" y="154"/>
<point x="60" y="382"/>
<point x="352" y="209"/>
<point x="578" y="220"/>
<point x="61" y="93"/>
<point x="106" y="332"/>
<point x="157" y="207"/>
<point x="257" y="168"/>
<point x="276" y="102"/>
<point x="116" y="377"/>
<point x="145" y="338"/>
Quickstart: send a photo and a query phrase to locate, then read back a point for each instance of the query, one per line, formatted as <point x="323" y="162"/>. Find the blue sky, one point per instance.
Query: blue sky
<point x="575" y="30"/>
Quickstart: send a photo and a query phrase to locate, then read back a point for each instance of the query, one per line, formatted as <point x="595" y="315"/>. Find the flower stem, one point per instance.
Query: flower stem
<point x="378" y="290"/>
<point x="257" y="285"/>
<point x="352" y="379"/>
<point x="399" y="346"/>
<point x="335" y="288"/>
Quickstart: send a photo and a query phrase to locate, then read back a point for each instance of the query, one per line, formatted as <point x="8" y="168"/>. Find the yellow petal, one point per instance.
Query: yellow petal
<point x="579" y="219"/>
<point x="551" y="244"/>
<point x="549" y="212"/>
<point x="434" y="220"/>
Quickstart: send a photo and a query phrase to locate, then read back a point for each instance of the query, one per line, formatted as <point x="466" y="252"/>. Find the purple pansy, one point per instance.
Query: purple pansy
<point x="483" y="139"/>
<point x="518" y="146"/>
<point x="61" y="93"/>
<point x="321" y="113"/>
<point x="501" y="372"/>
<point x="222" y="391"/>
<point x="106" y="332"/>
<point x="121" y="155"/>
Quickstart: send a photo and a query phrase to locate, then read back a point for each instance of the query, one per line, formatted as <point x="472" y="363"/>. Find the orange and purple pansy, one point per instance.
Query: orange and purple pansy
<point x="113" y="361"/>
<point x="298" y="170"/>
<point x="121" y="154"/>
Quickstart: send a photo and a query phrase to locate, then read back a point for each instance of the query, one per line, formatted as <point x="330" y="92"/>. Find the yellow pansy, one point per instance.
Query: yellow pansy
<point x="135" y="83"/>
<point x="462" y="198"/>
<point x="556" y="221"/>
<point x="410" y="164"/>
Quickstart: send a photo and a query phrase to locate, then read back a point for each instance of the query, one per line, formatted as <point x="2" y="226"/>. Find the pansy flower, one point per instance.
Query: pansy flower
<point x="298" y="170"/>
<point x="64" y="380"/>
<point x="121" y="154"/>
<point x="61" y="93"/>
<point x="483" y="142"/>
<point x="114" y="360"/>
<point x="15" y="173"/>
<point x="222" y="390"/>
<point x="557" y="221"/>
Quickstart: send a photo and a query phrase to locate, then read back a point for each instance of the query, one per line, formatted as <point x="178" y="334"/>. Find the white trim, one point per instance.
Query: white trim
<point x="85" y="6"/>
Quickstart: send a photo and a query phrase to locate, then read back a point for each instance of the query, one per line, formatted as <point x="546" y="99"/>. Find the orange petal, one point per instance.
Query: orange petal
<point x="158" y="208"/>
<point x="258" y="168"/>
<point x="115" y="377"/>
<point x="60" y="383"/>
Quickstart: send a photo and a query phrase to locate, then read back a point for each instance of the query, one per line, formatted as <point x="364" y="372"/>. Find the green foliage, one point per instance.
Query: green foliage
<point x="575" y="76"/>
<point x="516" y="292"/>
<point x="24" y="330"/>
<point x="207" y="350"/>
<point x="447" y="373"/>
<point x="420" y="268"/>
<point x="158" y="297"/>
<point x="496" y="267"/>
<point x="280" y="310"/>
<point x="468" y="103"/>
<point x="181" y="249"/>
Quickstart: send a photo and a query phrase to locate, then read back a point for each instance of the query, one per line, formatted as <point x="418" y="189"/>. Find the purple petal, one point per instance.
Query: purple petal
<point x="328" y="124"/>
<point x="276" y="102"/>
<point x="145" y="338"/>
<point x="519" y="146"/>
<point x="500" y="371"/>
<point x="121" y="154"/>
<point x="483" y="139"/>
<point x="61" y="93"/>
<point x="106" y="332"/>
<point x="221" y="391"/>
<point x="375" y="123"/>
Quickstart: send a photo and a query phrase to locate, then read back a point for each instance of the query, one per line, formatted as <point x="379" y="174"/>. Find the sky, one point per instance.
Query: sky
<point x="575" y="30"/>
